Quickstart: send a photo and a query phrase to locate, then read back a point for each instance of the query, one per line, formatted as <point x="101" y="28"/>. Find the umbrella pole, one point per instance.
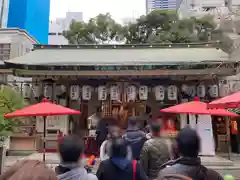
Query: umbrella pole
<point x="44" y="138"/>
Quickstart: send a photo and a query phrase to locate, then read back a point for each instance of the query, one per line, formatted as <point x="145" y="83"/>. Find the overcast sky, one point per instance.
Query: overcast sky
<point x="119" y="9"/>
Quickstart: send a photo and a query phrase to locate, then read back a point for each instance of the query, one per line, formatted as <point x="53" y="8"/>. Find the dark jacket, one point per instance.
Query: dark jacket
<point x="190" y="167"/>
<point x="101" y="131"/>
<point x="154" y="154"/>
<point x="135" y="138"/>
<point x="119" y="169"/>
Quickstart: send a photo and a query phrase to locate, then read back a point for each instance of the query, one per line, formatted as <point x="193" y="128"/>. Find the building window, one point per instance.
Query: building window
<point x="52" y="34"/>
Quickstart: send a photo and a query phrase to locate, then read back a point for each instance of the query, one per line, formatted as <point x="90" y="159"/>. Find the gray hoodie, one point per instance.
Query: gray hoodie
<point x="79" y="173"/>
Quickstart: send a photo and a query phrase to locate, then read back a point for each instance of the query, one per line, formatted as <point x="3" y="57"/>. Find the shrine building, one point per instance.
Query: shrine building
<point x="101" y="78"/>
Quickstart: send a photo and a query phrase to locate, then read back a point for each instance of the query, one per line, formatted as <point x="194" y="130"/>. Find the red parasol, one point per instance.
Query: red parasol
<point x="44" y="108"/>
<point x="230" y="101"/>
<point x="196" y="107"/>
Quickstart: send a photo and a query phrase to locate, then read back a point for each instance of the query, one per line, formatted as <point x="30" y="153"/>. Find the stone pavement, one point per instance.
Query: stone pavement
<point x="222" y="165"/>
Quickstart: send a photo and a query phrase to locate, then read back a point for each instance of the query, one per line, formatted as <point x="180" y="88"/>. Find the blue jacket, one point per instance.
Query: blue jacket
<point x="135" y="138"/>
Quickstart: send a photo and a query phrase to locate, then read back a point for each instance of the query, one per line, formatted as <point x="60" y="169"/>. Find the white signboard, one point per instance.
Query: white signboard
<point x="205" y="131"/>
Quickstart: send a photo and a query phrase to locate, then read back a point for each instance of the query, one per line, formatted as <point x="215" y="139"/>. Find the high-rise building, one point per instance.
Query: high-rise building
<point x="4" y="4"/>
<point x="56" y="28"/>
<point x="160" y="4"/>
<point x="32" y="16"/>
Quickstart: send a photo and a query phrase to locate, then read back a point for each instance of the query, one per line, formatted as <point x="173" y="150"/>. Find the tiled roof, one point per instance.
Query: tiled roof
<point x="140" y="56"/>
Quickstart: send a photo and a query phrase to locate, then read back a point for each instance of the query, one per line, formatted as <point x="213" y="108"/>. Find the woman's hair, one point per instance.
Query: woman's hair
<point x="114" y="132"/>
<point x="118" y="148"/>
<point x="29" y="170"/>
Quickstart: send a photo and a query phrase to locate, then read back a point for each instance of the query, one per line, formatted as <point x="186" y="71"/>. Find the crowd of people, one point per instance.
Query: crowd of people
<point x="129" y="155"/>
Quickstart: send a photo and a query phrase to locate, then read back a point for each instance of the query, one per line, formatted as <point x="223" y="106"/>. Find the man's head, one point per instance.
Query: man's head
<point x="188" y="142"/>
<point x="132" y="120"/>
<point x="70" y="149"/>
<point x="155" y="128"/>
<point x="118" y="148"/>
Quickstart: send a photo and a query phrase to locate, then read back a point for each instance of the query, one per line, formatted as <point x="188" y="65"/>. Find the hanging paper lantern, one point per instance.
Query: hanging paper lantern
<point x="36" y="90"/>
<point x="201" y="91"/>
<point x="115" y="93"/>
<point x="74" y="92"/>
<point x="213" y="91"/>
<point x="192" y="91"/>
<point x="159" y="93"/>
<point x="102" y="93"/>
<point x="184" y="88"/>
<point x="26" y="90"/>
<point x="172" y="92"/>
<point x="131" y="93"/>
<point x="47" y="91"/>
<point x="143" y="93"/>
<point x="86" y="92"/>
<point x="224" y="90"/>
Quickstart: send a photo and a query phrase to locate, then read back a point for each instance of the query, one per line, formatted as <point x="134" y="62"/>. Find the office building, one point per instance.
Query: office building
<point x="4" y="4"/>
<point x="56" y="28"/>
<point x="160" y="4"/>
<point x="32" y="16"/>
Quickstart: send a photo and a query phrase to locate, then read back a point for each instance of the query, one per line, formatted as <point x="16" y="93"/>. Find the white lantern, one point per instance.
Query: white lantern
<point x="192" y="91"/>
<point x="184" y="88"/>
<point x="58" y="89"/>
<point x="172" y="92"/>
<point x="115" y="93"/>
<point x="131" y="93"/>
<point x="36" y="90"/>
<point x="143" y="93"/>
<point x="26" y="91"/>
<point x="74" y="92"/>
<point x="224" y="90"/>
<point x="47" y="91"/>
<point x="102" y="93"/>
<point x="213" y="91"/>
<point x="201" y="91"/>
<point x="159" y="93"/>
<point x="86" y="92"/>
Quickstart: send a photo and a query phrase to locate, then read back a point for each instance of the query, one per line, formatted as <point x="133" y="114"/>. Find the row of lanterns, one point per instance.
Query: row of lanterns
<point x="132" y="91"/>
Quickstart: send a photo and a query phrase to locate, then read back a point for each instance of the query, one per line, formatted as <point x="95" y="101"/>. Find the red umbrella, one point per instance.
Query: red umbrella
<point x="230" y="101"/>
<point x="44" y="108"/>
<point x="196" y="107"/>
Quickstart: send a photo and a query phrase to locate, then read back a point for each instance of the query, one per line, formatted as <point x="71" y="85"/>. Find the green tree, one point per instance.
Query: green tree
<point x="10" y="100"/>
<point x="164" y="26"/>
<point x="204" y="26"/>
<point x="98" y="30"/>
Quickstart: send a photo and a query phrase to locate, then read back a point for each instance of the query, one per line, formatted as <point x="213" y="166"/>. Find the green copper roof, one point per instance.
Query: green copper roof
<point x="123" y="56"/>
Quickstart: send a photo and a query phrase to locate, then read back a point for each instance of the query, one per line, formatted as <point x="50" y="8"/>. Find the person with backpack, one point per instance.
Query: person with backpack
<point x="134" y="137"/>
<point x="155" y="152"/>
<point x="188" y="166"/>
<point x="70" y="167"/>
<point x="118" y="166"/>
